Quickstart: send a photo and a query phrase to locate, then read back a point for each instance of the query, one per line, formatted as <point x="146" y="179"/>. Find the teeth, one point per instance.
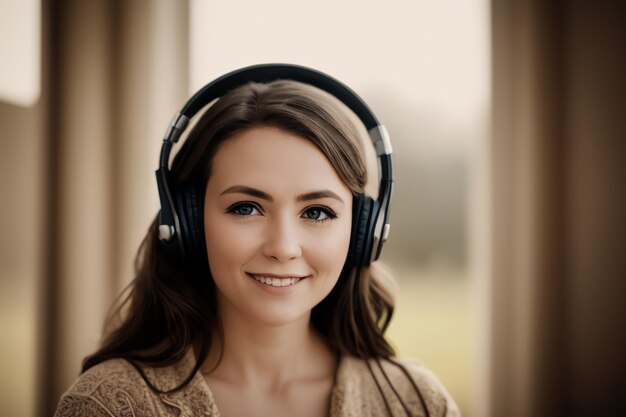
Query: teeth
<point x="276" y="282"/>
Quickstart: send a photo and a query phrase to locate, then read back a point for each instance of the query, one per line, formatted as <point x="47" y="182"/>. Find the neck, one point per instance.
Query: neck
<point x="258" y="353"/>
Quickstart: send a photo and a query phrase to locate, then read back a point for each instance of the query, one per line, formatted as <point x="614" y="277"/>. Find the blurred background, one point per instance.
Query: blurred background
<point x="508" y="237"/>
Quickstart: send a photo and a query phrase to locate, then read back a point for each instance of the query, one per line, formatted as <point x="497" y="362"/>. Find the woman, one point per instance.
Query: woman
<point x="254" y="293"/>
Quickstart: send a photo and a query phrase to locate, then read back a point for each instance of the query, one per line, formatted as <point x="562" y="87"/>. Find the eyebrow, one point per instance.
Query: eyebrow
<point x="314" y="195"/>
<point x="242" y="189"/>
<point x="318" y="194"/>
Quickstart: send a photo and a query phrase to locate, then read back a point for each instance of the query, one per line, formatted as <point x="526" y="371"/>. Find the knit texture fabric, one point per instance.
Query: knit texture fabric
<point x="115" y="388"/>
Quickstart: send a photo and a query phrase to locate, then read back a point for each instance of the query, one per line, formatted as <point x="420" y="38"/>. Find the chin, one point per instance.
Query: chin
<point x="275" y="317"/>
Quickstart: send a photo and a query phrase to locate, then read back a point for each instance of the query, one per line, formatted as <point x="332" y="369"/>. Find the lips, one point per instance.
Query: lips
<point x="277" y="281"/>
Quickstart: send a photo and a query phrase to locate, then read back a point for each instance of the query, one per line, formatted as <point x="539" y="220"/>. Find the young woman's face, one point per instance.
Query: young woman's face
<point x="277" y="225"/>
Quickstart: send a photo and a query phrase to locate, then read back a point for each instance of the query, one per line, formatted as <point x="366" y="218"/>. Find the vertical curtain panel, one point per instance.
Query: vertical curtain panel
<point x="558" y="339"/>
<point x="115" y="74"/>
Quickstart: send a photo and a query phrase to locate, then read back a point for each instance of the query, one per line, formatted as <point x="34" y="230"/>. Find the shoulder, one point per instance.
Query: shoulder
<point x="368" y="387"/>
<point x="111" y="388"/>
<point x="108" y="388"/>
<point x="116" y="388"/>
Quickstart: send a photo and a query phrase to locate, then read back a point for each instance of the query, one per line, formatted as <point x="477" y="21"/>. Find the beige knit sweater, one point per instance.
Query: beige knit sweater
<point x="115" y="388"/>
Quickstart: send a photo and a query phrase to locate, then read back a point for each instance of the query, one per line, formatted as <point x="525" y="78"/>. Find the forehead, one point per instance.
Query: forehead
<point x="270" y="157"/>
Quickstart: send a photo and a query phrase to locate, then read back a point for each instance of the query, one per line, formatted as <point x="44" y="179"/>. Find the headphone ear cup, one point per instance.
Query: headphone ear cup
<point x="361" y="220"/>
<point x="190" y="215"/>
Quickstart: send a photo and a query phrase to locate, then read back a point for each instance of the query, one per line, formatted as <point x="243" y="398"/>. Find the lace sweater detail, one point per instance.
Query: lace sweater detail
<point x="115" y="388"/>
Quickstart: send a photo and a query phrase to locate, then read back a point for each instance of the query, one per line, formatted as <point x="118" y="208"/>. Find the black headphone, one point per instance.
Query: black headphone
<point x="181" y="224"/>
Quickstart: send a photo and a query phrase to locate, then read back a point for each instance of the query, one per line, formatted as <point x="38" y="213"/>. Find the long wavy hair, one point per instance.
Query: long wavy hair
<point x="171" y="305"/>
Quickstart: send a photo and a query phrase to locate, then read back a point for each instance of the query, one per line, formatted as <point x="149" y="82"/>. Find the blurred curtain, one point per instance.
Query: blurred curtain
<point x="114" y="74"/>
<point x="558" y="235"/>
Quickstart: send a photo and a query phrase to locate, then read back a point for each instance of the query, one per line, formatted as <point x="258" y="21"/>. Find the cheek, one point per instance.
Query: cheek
<point x="227" y="250"/>
<point x="327" y="253"/>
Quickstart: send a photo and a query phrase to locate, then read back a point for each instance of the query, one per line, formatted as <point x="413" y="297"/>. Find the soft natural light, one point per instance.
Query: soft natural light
<point x="421" y="53"/>
<point x="20" y="51"/>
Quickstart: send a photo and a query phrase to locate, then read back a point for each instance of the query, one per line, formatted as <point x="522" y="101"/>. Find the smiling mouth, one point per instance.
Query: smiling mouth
<point x="277" y="282"/>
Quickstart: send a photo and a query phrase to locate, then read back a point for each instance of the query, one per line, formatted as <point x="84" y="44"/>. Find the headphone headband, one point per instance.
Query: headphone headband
<point x="265" y="73"/>
<point x="378" y="228"/>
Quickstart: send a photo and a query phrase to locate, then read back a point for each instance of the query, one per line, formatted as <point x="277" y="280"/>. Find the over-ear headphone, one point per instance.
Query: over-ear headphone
<point x="181" y="224"/>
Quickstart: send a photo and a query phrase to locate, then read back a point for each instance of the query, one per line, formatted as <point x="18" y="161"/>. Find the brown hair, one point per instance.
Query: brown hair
<point x="171" y="305"/>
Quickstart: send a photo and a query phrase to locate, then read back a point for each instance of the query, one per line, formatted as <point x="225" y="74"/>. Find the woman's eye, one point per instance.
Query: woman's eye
<point x="244" y="209"/>
<point x="319" y="214"/>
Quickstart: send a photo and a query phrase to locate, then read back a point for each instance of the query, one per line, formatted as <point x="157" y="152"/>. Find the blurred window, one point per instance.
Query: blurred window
<point x="20" y="51"/>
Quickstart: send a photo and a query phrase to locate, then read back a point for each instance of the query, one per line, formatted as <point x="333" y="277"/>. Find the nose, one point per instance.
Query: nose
<point x="282" y="242"/>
